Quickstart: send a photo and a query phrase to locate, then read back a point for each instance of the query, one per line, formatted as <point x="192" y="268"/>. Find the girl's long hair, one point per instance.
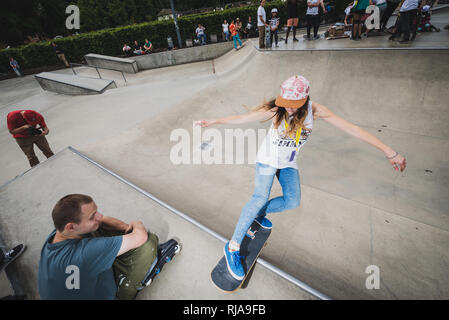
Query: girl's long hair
<point x="281" y="114"/>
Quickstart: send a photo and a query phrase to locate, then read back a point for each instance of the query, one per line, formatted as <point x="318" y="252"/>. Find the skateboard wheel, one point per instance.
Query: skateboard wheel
<point x="178" y="248"/>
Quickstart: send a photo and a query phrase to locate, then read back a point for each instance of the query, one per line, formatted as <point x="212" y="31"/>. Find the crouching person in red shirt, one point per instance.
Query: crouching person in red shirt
<point x="22" y="124"/>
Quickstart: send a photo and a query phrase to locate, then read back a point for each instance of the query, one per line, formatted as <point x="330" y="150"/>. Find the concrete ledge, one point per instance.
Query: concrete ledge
<point x="111" y="63"/>
<point x="186" y="55"/>
<point x="72" y="84"/>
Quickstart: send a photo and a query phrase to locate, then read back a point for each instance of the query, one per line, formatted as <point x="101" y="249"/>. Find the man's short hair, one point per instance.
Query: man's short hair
<point x="68" y="209"/>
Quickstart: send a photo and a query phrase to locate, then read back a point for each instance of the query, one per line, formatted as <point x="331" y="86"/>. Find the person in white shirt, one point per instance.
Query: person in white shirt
<point x="313" y="18"/>
<point x="292" y="115"/>
<point x="225" y="26"/>
<point x="126" y="50"/>
<point x="348" y="15"/>
<point x="201" y="35"/>
<point x="261" y="23"/>
<point x="407" y="13"/>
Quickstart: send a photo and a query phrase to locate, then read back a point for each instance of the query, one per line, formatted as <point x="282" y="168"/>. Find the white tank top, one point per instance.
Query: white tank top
<point x="280" y="151"/>
<point x="313" y="10"/>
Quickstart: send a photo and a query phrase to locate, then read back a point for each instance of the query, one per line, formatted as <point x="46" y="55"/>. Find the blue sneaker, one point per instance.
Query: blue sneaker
<point x="233" y="261"/>
<point x="264" y="222"/>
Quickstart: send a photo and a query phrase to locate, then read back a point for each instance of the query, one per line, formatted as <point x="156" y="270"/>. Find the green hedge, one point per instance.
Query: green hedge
<point x="110" y="41"/>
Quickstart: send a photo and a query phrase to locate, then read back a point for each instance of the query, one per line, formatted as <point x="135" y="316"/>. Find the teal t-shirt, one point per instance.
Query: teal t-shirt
<point x="78" y="269"/>
<point x="361" y="5"/>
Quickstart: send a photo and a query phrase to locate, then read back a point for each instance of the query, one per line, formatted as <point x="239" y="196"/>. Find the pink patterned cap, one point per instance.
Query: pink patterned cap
<point x="294" y="92"/>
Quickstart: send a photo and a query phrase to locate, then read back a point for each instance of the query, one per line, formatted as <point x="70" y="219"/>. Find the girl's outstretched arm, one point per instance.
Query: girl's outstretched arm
<point x="395" y="159"/>
<point x="259" y="115"/>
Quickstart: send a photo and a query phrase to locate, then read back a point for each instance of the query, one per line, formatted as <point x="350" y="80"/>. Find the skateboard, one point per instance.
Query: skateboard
<point x="250" y="250"/>
<point x="240" y="47"/>
<point x="165" y="253"/>
<point x="337" y="37"/>
<point x="267" y="37"/>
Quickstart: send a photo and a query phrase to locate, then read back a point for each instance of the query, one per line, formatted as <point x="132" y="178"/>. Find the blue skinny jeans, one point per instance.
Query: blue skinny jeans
<point x="260" y="205"/>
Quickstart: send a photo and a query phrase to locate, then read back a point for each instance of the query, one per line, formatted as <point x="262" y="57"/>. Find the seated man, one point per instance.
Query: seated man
<point x="126" y="50"/>
<point x="137" y="48"/>
<point x="148" y="46"/>
<point x="201" y="35"/>
<point x="91" y="256"/>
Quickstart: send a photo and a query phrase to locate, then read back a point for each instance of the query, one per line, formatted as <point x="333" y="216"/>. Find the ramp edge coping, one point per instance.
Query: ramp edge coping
<point x="264" y="263"/>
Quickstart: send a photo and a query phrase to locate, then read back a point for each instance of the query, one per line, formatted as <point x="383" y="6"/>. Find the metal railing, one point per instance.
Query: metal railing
<point x="96" y="68"/>
<point x="184" y="216"/>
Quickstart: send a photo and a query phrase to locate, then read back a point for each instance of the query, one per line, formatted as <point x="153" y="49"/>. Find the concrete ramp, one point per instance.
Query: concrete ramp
<point x="111" y="63"/>
<point x="72" y="84"/>
<point x="26" y="203"/>
<point x="182" y="56"/>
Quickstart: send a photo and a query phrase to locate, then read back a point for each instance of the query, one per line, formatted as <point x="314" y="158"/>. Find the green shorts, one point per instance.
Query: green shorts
<point x="131" y="267"/>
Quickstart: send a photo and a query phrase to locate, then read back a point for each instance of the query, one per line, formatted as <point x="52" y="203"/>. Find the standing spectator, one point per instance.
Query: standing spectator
<point x="200" y="34"/>
<point x="274" y="25"/>
<point x="238" y="26"/>
<point x="313" y="17"/>
<point x="292" y="18"/>
<point x="248" y="31"/>
<point x="358" y="10"/>
<point x="126" y="50"/>
<point x="407" y="13"/>
<point x="261" y="23"/>
<point x="15" y="66"/>
<point x="225" y="26"/>
<point x="22" y="125"/>
<point x="137" y="48"/>
<point x="391" y="6"/>
<point x="60" y="53"/>
<point x="235" y="35"/>
<point x="148" y="46"/>
<point x="348" y="14"/>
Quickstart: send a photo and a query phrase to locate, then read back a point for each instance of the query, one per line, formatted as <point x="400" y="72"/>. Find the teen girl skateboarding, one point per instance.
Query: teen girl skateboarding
<point x="292" y="114"/>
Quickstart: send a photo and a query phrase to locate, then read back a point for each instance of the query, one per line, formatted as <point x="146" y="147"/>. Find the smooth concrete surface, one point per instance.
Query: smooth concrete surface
<point x="186" y="277"/>
<point x="355" y="209"/>
<point x="184" y="55"/>
<point x="73" y="84"/>
<point x="112" y="63"/>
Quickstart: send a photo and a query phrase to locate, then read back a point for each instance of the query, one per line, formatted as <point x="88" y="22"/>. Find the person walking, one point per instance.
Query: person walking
<point x="235" y="35"/>
<point x="60" y="53"/>
<point x="292" y="114"/>
<point x="15" y="66"/>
